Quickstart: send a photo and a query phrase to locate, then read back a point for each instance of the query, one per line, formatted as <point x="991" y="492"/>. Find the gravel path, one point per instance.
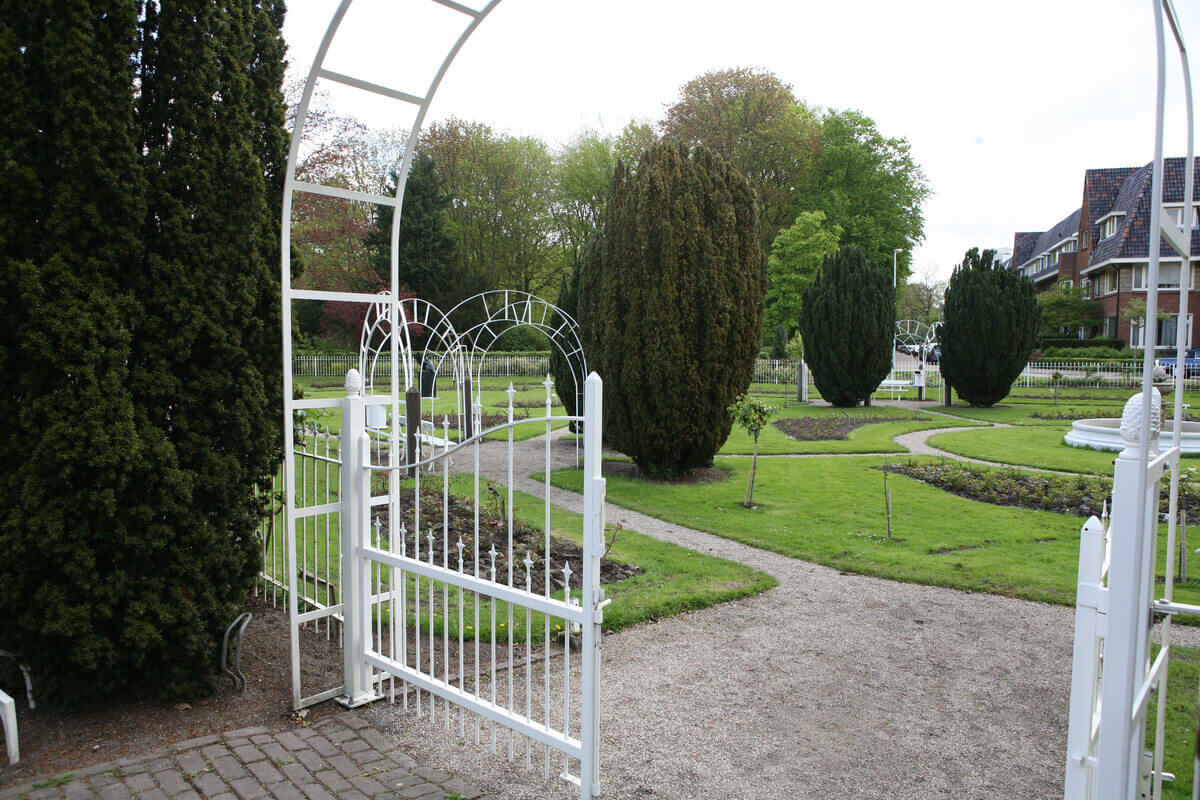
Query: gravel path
<point x="830" y="685"/>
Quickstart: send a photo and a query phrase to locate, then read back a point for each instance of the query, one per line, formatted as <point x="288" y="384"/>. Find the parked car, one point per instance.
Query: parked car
<point x="1191" y="364"/>
<point x="934" y="354"/>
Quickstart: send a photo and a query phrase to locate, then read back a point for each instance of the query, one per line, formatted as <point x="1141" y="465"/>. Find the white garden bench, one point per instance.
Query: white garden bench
<point x="898" y="387"/>
<point x="8" y="713"/>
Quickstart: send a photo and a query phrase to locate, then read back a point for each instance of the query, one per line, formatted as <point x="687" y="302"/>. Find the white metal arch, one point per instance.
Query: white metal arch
<point x="913" y="332"/>
<point x="505" y="309"/>
<point x="318" y="71"/>
<point x="414" y="312"/>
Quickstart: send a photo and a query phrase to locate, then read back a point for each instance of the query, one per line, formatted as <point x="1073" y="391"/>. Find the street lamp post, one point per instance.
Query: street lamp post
<point x="895" y="254"/>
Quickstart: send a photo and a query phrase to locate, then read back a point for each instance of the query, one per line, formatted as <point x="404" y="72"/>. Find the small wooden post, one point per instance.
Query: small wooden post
<point x="412" y="424"/>
<point x="887" y="502"/>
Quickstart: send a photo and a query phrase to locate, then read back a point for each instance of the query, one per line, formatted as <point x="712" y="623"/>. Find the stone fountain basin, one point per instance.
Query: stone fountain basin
<point x="1105" y="434"/>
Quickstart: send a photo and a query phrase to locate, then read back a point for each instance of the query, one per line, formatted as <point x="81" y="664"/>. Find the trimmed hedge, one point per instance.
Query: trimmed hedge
<point x="1047" y="342"/>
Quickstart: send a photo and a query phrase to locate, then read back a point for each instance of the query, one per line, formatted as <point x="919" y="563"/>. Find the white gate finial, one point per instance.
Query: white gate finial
<point x="1132" y="423"/>
<point x="354" y="382"/>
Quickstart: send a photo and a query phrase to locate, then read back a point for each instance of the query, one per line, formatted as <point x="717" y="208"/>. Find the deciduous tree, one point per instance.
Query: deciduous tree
<point x="795" y="258"/>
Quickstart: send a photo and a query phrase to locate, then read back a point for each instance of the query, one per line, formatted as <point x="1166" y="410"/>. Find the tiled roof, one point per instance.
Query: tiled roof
<point x="1023" y="247"/>
<point x="1132" y="237"/>
<point x="1100" y="189"/>
<point x="1038" y="243"/>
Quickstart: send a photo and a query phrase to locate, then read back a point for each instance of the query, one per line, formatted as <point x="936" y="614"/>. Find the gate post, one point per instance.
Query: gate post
<point x="802" y="381"/>
<point x="591" y="594"/>
<point x="355" y="522"/>
<point x="1091" y="607"/>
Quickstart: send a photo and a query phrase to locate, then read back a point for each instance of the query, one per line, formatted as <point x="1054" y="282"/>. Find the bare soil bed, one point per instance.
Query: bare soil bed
<point x="825" y="429"/>
<point x="441" y="546"/>
<point x="697" y="476"/>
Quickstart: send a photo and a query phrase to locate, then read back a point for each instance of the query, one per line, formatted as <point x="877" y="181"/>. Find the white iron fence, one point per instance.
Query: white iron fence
<point x="782" y="372"/>
<point x="1116" y="672"/>
<point x="334" y="366"/>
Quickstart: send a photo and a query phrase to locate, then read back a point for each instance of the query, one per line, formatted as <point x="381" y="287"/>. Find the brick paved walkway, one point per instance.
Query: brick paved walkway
<point x="344" y="757"/>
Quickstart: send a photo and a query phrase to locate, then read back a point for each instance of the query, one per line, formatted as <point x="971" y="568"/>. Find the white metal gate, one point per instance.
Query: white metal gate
<point x="443" y="613"/>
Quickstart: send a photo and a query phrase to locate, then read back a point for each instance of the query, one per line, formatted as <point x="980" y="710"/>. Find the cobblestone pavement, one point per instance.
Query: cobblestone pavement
<point x="344" y="757"/>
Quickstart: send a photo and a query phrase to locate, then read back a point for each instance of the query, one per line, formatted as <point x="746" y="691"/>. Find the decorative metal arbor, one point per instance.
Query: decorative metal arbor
<point x="401" y="576"/>
<point x="1115" y="672"/>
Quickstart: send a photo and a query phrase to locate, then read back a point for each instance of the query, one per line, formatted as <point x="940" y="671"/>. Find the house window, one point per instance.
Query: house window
<point x="1166" y="328"/>
<point x="1176" y="213"/>
<point x="1168" y="276"/>
<point x="1108" y="227"/>
<point x="1139" y="276"/>
<point x="1110" y="327"/>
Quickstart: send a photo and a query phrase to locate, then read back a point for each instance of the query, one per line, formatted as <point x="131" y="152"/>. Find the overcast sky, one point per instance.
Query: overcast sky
<point x="1005" y="103"/>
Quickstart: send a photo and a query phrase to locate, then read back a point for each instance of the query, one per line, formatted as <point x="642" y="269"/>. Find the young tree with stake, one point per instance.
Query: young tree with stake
<point x="753" y="415"/>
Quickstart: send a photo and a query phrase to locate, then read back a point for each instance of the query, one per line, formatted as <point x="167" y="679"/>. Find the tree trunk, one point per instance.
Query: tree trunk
<point x="753" y="467"/>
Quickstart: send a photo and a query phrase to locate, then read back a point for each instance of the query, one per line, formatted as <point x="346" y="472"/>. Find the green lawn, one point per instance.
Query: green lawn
<point x="1180" y="728"/>
<point x="831" y="511"/>
<point x="1013" y="411"/>
<point x="1029" y="446"/>
<point x="495" y="402"/>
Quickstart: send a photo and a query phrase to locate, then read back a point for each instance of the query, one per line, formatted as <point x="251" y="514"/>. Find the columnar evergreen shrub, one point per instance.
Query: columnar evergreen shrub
<point x="847" y="323"/>
<point x="671" y="305"/>
<point x="990" y="325"/>
<point x="139" y="339"/>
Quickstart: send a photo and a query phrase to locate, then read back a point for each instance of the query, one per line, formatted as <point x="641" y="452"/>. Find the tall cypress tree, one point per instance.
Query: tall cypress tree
<point x="989" y="328"/>
<point x="139" y="352"/>
<point x="672" y="305"/>
<point x="73" y="550"/>
<point x="206" y="344"/>
<point x="847" y="323"/>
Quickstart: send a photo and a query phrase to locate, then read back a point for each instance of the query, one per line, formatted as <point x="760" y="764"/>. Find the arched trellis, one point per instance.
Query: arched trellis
<point x="504" y="310"/>
<point x="913" y="332"/>
<point x="433" y="324"/>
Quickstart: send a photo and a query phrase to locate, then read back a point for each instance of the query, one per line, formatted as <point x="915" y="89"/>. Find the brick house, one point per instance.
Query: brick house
<point x="1103" y="247"/>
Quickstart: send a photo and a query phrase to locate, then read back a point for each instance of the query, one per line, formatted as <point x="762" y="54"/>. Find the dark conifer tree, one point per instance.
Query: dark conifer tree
<point x="562" y="369"/>
<point x="73" y="517"/>
<point x="989" y="328"/>
<point x="847" y="322"/>
<point x="427" y="253"/>
<point x="206" y="345"/>
<point x="672" y="305"/>
<point x="139" y="350"/>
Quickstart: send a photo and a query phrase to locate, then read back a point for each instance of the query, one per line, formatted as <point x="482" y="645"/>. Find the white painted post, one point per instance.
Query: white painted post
<point x="355" y="524"/>
<point x="591" y="594"/>
<point x="1091" y="605"/>
<point x="1122" y="736"/>
<point x="802" y="381"/>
